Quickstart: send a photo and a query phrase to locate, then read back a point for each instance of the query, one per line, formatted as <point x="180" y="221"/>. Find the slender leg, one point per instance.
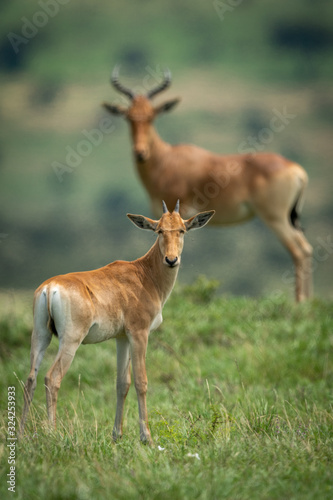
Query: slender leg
<point x="139" y="342"/>
<point x="123" y="383"/>
<point x="306" y="264"/>
<point x="278" y="203"/>
<point x="55" y="375"/>
<point x="40" y="340"/>
<point x="301" y="252"/>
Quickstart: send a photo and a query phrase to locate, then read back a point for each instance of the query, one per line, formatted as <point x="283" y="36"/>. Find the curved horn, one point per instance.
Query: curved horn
<point x="162" y="86"/>
<point x="118" y="86"/>
<point x="177" y="207"/>
<point x="165" y="208"/>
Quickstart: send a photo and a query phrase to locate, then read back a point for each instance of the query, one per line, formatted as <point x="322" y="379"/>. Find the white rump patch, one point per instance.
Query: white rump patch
<point x="156" y="321"/>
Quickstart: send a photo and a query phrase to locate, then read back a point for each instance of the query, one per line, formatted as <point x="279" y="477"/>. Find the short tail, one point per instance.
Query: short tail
<point x="294" y="217"/>
<point x="50" y="322"/>
<point x="51" y="326"/>
<point x="298" y="205"/>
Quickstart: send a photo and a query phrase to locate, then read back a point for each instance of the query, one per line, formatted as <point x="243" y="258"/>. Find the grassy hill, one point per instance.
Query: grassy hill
<point x="240" y="388"/>
<point x="239" y="402"/>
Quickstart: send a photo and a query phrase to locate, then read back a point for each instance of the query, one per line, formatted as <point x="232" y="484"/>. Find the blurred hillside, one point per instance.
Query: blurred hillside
<point x="231" y="64"/>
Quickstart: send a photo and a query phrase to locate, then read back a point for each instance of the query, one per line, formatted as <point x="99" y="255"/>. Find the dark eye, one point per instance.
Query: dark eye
<point x="182" y="231"/>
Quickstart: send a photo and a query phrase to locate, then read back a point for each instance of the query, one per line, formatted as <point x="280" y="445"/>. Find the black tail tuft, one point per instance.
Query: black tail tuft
<point x="294" y="218"/>
<point x="51" y="326"/>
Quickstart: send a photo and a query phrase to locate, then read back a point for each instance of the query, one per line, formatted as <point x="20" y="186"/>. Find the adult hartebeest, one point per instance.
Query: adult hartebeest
<point x="238" y="187"/>
<point x="123" y="300"/>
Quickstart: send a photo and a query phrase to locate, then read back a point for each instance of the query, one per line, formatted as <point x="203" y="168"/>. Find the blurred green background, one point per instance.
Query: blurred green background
<point x="232" y="62"/>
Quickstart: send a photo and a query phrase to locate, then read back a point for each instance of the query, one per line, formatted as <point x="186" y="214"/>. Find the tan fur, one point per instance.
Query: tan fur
<point x="238" y="187"/>
<point x="123" y="300"/>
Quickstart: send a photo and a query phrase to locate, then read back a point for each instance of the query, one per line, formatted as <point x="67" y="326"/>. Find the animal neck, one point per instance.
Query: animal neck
<point x="158" y="146"/>
<point x="157" y="149"/>
<point x="157" y="274"/>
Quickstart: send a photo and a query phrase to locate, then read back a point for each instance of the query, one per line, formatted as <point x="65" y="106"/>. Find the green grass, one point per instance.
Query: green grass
<point x="245" y="384"/>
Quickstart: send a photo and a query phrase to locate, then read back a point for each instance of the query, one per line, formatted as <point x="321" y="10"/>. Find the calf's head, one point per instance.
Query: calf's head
<point x="171" y="229"/>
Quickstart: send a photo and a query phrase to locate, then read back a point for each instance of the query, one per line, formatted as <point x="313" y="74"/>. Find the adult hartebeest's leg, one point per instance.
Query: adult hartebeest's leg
<point x="301" y="252"/>
<point x="278" y="204"/>
<point x="138" y="343"/>
<point x="56" y="373"/>
<point x="123" y="383"/>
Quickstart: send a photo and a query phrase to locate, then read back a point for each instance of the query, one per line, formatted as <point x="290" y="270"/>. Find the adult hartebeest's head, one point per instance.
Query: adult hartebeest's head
<point x="171" y="229"/>
<point x="141" y="112"/>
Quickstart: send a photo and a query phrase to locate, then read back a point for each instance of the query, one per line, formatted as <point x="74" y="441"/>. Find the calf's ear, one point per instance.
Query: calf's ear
<point x="199" y="220"/>
<point x="143" y="222"/>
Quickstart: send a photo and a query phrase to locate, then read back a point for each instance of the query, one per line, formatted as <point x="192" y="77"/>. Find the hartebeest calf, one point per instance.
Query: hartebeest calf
<point x="238" y="187"/>
<point x="123" y="300"/>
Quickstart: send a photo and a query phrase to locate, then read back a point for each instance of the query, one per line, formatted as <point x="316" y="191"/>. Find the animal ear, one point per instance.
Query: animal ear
<point x="167" y="106"/>
<point x="114" y="110"/>
<point x="199" y="220"/>
<point x="143" y="222"/>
